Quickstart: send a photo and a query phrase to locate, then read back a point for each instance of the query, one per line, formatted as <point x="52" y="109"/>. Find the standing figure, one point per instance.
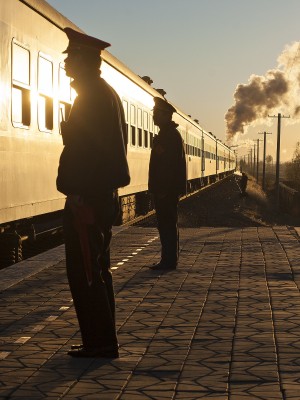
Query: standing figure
<point x="92" y="167"/>
<point x="167" y="181"/>
<point x="243" y="183"/>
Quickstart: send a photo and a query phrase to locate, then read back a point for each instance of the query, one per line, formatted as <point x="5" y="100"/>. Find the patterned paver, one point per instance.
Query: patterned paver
<point x="225" y="325"/>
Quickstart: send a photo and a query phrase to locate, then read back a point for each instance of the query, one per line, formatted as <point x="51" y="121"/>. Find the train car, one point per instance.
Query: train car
<point x="36" y="95"/>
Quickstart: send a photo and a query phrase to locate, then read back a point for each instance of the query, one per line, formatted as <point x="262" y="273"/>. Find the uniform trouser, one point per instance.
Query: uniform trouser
<point x="167" y="217"/>
<point x="95" y="303"/>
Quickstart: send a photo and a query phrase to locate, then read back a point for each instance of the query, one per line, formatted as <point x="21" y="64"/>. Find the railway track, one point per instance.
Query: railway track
<point x="17" y="248"/>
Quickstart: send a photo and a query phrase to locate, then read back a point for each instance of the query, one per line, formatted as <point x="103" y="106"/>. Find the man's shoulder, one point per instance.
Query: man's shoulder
<point x="107" y="87"/>
<point x="100" y="94"/>
<point x="174" y="133"/>
<point x="107" y="92"/>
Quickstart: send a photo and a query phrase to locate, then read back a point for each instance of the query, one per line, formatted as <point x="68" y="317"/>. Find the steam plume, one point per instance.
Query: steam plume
<point x="262" y="95"/>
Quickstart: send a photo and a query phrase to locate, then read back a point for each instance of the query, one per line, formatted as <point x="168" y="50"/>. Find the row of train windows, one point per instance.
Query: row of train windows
<point x="195" y="151"/>
<point x="140" y="127"/>
<point x="140" y="122"/>
<point x="23" y="95"/>
<point x="139" y="137"/>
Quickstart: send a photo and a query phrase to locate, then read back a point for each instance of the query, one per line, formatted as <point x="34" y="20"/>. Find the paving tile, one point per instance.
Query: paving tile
<point x="225" y="325"/>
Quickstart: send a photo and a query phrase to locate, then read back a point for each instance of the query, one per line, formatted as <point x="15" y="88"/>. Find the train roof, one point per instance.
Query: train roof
<point x="55" y="17"/>
<point x="45" y="10"/>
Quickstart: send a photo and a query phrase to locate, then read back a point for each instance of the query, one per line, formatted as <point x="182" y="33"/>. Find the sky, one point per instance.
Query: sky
<point x="201" y="51"/>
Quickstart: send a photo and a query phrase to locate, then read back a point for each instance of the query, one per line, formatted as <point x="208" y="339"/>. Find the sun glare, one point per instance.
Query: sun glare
<point x="125" y="87"/>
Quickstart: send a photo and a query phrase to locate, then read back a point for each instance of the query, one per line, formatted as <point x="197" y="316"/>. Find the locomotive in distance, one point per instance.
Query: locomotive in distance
<point x="36" y="96"/>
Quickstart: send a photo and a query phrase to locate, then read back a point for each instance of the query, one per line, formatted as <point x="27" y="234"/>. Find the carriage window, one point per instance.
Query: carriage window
<point x="187" y="147"/>
<point x="132" y="124"/>
<point x="125" y="106"/>
<point x="21" y="110"/>
<point x="146" y="129"/>
<point x="133" y="136"/>
<point x="21" y="64"/>
<point x="151" y="125"/>
<point x="145" y="120"/>
<point x="45" y="91"/>
<point x="146" y="138"/>
<point x="140" y="128"/>
<point x="140" y="137"/>
<point x="65" y="95"/>
<point x="139" y="118"/>
<point x="192" y="146"/>
<point x="151" y="129"/>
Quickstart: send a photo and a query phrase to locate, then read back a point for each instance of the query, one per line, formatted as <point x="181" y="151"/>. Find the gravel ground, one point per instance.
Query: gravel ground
<point x="223" y="205"/>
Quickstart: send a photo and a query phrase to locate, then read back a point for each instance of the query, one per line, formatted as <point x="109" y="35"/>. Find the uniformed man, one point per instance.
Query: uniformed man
<point x="167" y="181"/>
<point x="92" y="166"/>
<point x="243" y="183"/>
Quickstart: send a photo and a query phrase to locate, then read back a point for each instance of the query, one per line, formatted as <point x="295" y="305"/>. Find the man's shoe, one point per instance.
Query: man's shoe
<point x="94" y="353"/>
<point x="162" y="267"/>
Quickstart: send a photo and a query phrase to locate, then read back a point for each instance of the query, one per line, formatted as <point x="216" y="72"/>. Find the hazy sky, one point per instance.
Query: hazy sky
<point x="198" y="51"/>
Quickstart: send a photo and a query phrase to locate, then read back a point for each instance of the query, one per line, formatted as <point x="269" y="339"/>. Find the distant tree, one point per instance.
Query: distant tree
<point x="269" y="159"/>
<point x="297" y="152"/>
<point x="292" y="168"/>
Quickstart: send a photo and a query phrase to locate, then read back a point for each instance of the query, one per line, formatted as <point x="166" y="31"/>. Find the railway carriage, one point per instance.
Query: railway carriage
<point x="35" y="97"/>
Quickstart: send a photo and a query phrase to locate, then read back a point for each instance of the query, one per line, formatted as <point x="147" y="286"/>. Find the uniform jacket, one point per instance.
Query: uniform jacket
<point x="167" y="169"/>
<point x="93" y="160"/>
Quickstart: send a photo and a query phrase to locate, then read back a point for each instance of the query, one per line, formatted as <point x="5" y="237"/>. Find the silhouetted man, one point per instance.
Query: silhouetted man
<point x="167" y="181"/>
<point x="92" y="166"/>
<point x="243" y="183"/>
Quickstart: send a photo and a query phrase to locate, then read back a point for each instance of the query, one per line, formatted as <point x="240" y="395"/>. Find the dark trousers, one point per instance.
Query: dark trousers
<point x="167" y="217"/>
<point x="95" y="303"/>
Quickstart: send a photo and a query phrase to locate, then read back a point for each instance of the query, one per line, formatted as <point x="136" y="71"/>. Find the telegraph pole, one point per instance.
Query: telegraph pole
<point x="279" y="116"/>
<point x="264" y="159"/>
<point x="257" y="159"/>
<point x="254" y="157"/>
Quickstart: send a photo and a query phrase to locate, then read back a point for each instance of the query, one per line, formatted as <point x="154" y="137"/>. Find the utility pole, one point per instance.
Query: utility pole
<point x="257" y="159"/>
<point x="264" y="159"/>
<point x="235" y="153"/>
<point x="279" y="116"/>
<point x="254" y="156"/>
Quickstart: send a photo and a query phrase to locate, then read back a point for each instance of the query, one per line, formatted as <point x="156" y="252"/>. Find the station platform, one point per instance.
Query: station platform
<point x="224" y="325"/>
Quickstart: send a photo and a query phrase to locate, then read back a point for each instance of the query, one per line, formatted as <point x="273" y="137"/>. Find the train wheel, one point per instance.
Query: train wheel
<point x="10" y="249"/>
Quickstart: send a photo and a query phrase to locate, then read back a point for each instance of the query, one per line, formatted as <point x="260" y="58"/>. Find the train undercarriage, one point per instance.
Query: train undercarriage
<point x="17" y="238"/>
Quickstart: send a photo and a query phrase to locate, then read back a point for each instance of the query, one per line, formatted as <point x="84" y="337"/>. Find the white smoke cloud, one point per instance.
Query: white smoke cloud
<point x="263" y="95"/>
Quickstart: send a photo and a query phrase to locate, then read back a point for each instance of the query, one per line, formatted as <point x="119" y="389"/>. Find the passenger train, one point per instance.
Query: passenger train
<point x="35" y="97"/>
